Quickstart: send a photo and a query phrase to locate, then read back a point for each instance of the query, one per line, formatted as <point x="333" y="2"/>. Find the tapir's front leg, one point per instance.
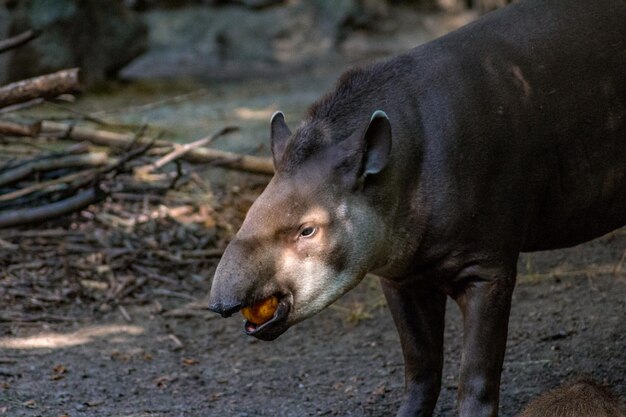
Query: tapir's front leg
<point x="418" y="310"/>
<point x="485" y="303"/>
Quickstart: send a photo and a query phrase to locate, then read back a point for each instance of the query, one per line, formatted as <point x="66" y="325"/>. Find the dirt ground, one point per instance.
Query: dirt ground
<point x="172" y="360"/>
<point x="164" y="356"/>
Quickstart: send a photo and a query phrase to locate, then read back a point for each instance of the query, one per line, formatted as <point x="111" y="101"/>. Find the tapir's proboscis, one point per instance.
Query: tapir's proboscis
<point x="434" y="170"/>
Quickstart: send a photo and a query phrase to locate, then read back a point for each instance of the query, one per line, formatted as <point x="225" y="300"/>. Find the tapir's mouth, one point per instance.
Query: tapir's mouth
<point x="272" y="328"/>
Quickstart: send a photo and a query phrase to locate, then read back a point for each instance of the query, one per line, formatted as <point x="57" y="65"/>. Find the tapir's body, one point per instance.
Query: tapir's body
<point x="510" y="132"/>
<point x="507" y="135"/>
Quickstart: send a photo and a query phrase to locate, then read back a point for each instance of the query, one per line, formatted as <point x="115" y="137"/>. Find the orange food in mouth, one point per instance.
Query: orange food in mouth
<point x="262" y="311"/>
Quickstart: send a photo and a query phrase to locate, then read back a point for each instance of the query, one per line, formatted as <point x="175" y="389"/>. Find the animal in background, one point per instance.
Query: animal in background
<point x="579" y="398"/>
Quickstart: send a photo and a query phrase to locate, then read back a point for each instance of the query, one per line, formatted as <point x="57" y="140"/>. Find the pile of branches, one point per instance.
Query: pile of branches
<point x="130" y="249"/>
<point x="99" y="214"/>
<point x="150" y="236"/>
<point x="52" y="184"/>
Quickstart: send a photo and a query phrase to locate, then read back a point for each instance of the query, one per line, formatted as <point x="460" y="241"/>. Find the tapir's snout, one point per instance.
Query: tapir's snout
<point x="231" y="282"/>
<point x="225" y="310"/>
<point x="241" y="280"/>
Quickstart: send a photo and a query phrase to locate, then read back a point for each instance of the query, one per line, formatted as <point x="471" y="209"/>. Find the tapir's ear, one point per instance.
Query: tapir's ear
<point x="280" y="134"/>
<point x="377" y="144"/>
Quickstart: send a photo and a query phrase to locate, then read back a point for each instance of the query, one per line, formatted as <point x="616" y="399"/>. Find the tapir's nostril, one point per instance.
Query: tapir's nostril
<point x="226" y="310"/>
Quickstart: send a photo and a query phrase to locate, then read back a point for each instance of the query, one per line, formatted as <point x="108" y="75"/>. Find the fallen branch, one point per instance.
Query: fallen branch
<point x="96" y="136"/>
<point x="45" y="184"/>
<point x="45" y="86"/>
<point x="18" y="40"/>
<point x="76" y="179"/>
<point x="16" y="129"/>
<point x="75" y="149"/>
<point x="181" y="150"/>
<point x="89" y="159"/>
<point x="49" y="211"/>
<point x="232" y="160"/>
<point x="22" y="106"/>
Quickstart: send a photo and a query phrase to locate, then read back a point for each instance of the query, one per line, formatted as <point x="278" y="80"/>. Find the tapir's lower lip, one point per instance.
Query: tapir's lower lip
<point x="272" y="328"/>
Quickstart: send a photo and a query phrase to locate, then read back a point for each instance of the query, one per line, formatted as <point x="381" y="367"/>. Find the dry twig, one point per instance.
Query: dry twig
<point x="22" y="106"/>
<point x="48" y="164"/>
<point x="181" y="150"/>
<point x="88" y="174"/>
<point x="18" y="40"/>
<point x="49" y="211"/>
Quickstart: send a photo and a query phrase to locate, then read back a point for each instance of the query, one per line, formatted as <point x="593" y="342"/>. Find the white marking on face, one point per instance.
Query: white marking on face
<point x="305" y="268"/>
<point x="314" y="280"/>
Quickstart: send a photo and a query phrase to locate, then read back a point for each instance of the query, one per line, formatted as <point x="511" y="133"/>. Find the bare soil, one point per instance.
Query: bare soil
<point x="174" y="359"/>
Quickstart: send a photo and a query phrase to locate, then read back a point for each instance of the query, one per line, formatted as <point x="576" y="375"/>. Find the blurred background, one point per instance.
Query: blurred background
<point x="210" y="63"/>
<point x="183" y="68"/>
<point x="217" y="39"/>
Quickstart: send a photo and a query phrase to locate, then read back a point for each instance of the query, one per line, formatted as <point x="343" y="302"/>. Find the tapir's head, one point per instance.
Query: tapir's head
<point x="316" y="229"/>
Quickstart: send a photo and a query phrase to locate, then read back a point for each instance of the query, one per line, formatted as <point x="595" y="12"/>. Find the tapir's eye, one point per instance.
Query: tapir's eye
<point x="308" y="231"/>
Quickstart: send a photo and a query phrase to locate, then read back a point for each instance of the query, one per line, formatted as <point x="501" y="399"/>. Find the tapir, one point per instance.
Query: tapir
<point x="434" y="169"/>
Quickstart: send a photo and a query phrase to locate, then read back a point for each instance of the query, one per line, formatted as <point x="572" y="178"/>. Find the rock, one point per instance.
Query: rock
<point x="232" y="41"/>
<point x="100" y="37"/>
